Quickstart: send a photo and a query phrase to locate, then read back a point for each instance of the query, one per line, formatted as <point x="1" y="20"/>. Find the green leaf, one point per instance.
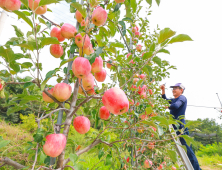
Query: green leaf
<point x="189" y="140"/>
<point x="117" y="44"/>
<point x="149" y="2"/>
<point x="30" y="98"/>
<point x="65" y="61"/>
<point x="108" y="159"/>
<point x="139" y="83"/>
<point x="164" y="51"/>
<point x="28" y="84"/>
<point x="15" y="66"/>
<point x="152" y="47"/>
<point x="160" y="130"/>
<point x="158" y="2"/>
<point x="3" y="143"/>
<point x="162" y="120"/>
<point x="25" y="2"/>
<point x="49" y="40"/>
<point x="80" y="8"/>
<point x="127" y="19"/>
<point x="24" y="17"/>
<point x="18" y="32"/>
<point x="99" y="51"/>
<point x="133" y="5"/>
<point x="73" y="157"/>
<point x="117" y="7"/>
<point x="147" y="55"/>
<point x="38" y="137"/>
<point x="172" y="154"/>
<point x="8" y="54"/>
<point x="47" y="2"/>
<point x="101" y="153"/>
<point x="72" y="48"/>
<point x="157" y="60"/>
<point x="149" y="110"/>
<point x="123" y="27"/>
<point x="50" y="74"/>
<point x="180" y="38"/>
<point x="42" y="20"/>
<point x="26" y="65"/>
<point x="165" y="34"/>
<point x="28" y="46"/>
<point x="42" y="157"/>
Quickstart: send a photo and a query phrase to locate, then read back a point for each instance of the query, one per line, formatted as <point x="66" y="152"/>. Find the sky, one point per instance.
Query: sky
<point x="198" y="62"/>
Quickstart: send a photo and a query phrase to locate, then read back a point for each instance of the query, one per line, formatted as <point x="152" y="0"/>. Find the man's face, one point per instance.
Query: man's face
<point x="177" y="91"/>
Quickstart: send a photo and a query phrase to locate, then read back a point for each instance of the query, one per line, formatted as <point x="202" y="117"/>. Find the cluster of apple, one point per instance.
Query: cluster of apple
<point x="10" y="5"/>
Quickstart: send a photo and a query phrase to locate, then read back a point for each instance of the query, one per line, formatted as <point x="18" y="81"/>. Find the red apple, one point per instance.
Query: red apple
<point x="81" y="67"/>
<point x="104" y="113"/>
<point x="152" y="135"/>
<point x="144" y="87"/>
<point x="79" y="40"/>
<point x="144" y="117"/>
<point x="99" y="16"/>
<point x="132" y="62"/>
<point x="119" y="1"/>
<point x="81" y="124"/>
<point x="54" y="144"/>
<point x="101" y="76"/>
<point x="173" y="168"/>
<point x="148" y="164"/>
<point x="142" y="76"/>
<point x="160" y="167"/>
<point x="137" y="34"/>
<point x="150" y="91"/>
<point x="128" y="55"/>
<point x="85" y="23"/>
<point x="154" y="129"/>
<point x="12" y="5"/>
<point x="68" y="31"/>
<point x="135" y="80"/>
<point x="88" y="82"/>
<point x="97" y="66"/>
<point x="79" y="16"/>
<point x="2" y="3"/>
<point x="46" y="98"/>
<point x="62" y="91"/>
<point x="34" y="6"/>
<point x="56" y="32"/>
<point x="139" y="48"/>
<point x="133" y="87"/>
<point x="108" y="65"/>
<point x="56" y="50"/>
<point x="127" y="159"/>
<point x="131" y="102"/>
<point x="164" y="163"/>
<point x="151" y="145"/>
<point x="1" y="86"/>
<point x="88" y="50"/>
<point x="137" y="104"/>
<point x="143" y="95"/>
<point x="115" y="101"/>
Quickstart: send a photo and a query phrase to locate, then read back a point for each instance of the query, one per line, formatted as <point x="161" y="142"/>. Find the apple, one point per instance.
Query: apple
<point x="151" y="145"/>
<point x="46" y="98"/>
<point x="119" y="1"/>
<point x="127" y="159"/>
<point x="56" y="32"/>
<point x="90" y="91"/>
<point x="97" y="66"/>
<point x="148" y="164"/>
<point x="131" y="102"/>
<point x="79" y="16"/>
<point x="68" y="31"/>
<point x="143" y="117"/>
<point x="136" y="75"/>
<point x="144" y="87"/>
<point x="128" y="55"/>
<point x="12" y="5"/>
<point x="135" y="29"/>
<point x="79" y="40"/>
<point x="88" y="82"/>
<point x="152" y="135"/>
<point x="135" y="40"/>
<point x="164" y="163"/>
<point x="133" y="87"/>
<point x="115" y="101"/>
<point x="137" y="34"/>
<point x="142" y="76"/>
<point x="153" y="114"/>
<point x="62" y="91"/>
<point x="34" y="6"/>
<point x="108" y="65"/>
<point x="135" y="80"/>
<point x="81" y="124"/>
<point x="54" y="145"/>
<point x="56" y="50"/>
<point x="154" y="129"/>
<point x="160" y="167"/>
<point x="86" y="50"/>
<point x="101" y="76"/>
<point x="2" y="3"/>
<point x="173" y="168"/>
<point x="85" y="23"/>
<point x="150" y="91"/>
<point x="139" y="48"/>
<point x="143" y="95"/>
<point x="132" y="62"/>
<point x="81" y="67"/>
<point x="1" y="86"/>
<point x="99" y="16"/>
<point x="137" y="104"/>
<point x="141" y="90"/>
<point x="104" y="113"/>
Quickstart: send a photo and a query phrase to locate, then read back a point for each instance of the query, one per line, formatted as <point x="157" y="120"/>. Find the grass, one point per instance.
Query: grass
<point x="210" y="162"/>
<point x="15" y="149"/>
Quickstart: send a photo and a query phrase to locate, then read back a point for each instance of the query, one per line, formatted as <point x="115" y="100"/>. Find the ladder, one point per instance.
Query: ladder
<point x="181" y="152"/>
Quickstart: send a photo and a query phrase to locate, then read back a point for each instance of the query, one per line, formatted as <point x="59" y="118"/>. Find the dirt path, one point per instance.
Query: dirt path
<point x="209" y="168"/>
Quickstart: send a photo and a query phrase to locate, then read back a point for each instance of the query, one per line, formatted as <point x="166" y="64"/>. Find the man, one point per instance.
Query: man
<point x="177" y="108"/>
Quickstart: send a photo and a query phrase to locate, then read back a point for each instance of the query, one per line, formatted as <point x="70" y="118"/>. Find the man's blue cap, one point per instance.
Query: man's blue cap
<point x="178" y="85"/>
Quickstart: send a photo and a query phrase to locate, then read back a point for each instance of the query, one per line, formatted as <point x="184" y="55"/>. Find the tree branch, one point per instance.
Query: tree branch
<point x="10" y="162"/>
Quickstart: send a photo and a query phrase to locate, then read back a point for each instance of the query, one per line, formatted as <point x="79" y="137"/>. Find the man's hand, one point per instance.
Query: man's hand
<point x="162" y="87"/>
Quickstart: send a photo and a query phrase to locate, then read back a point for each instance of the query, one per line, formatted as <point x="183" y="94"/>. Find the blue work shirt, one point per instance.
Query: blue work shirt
<point x="177" y="107"/>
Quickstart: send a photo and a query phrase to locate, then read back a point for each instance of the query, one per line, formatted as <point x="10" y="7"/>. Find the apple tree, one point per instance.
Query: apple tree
<point x="124" y="121"/>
